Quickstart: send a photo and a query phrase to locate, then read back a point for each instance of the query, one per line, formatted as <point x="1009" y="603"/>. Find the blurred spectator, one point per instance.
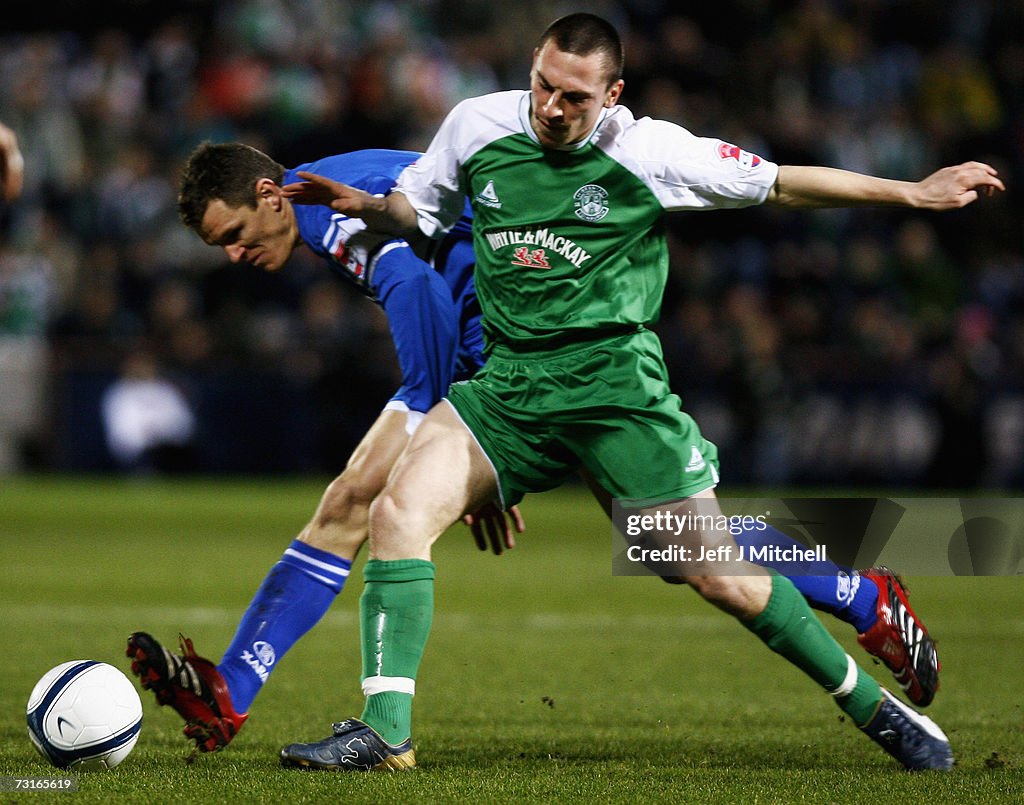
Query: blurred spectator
<point x="97" y="329"/>
<point x="149" y="423"/>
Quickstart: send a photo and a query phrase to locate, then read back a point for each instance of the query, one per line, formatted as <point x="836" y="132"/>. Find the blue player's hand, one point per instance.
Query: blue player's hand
<point x="492" y="525"/>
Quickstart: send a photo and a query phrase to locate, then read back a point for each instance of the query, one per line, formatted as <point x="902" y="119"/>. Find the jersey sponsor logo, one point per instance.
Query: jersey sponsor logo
<point x="488" y="196"/>
<point x="548" y="243"/>
<point x="532" y="259"/>
<point x="591" y="202"/>
<point x="746" y="160"/>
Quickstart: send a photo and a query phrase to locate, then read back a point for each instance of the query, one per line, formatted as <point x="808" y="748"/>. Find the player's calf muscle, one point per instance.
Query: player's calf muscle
<point x="342" y="542"/>
<point x="341" y="521"/>
<point x="348" y="499"/>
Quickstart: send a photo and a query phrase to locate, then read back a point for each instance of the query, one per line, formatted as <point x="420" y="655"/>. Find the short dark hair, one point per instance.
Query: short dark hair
<point x="225" y="171"/>
<point x="582" y="34"/>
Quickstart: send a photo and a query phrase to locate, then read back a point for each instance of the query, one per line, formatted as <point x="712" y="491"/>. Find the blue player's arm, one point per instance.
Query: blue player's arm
<point x="423" y="320"/>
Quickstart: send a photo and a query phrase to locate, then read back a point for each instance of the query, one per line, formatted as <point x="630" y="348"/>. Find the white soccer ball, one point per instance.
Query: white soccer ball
<point x="84" y="715"/>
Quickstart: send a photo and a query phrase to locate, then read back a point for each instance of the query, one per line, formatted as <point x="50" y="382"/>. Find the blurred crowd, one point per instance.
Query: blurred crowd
<point x="858" y="347"/>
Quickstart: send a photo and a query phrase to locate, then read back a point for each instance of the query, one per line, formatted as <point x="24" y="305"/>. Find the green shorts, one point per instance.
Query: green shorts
<point x="603" y="404"/>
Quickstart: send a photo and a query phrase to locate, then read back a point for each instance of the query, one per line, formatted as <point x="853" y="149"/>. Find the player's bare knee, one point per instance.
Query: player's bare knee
<point x="738" y="595"/>
<point x="387" y="516"/>
<point x="397" y="531"/>
<point x="719" y="590"/>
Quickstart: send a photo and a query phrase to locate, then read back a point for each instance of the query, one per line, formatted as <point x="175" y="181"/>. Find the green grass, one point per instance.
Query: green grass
<point x="546" y="679"/>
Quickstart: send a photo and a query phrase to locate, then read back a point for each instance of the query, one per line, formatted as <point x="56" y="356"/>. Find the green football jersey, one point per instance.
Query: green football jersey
<point x="571" y="243"/>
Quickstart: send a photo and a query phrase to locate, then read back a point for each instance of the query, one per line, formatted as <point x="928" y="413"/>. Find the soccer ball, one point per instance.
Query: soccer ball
<point x="84" y="715"/>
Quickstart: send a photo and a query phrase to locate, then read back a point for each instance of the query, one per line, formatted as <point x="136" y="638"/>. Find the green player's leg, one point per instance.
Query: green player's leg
<point x="417" y="505"/>
<point x="396" y="609"/>
<point x="789" y="627"/>
<point x="773" y="609"/>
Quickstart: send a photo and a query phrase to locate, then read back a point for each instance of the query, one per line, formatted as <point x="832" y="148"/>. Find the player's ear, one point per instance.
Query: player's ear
<point x="268" y="189"/>
<point x="614" y="93"/>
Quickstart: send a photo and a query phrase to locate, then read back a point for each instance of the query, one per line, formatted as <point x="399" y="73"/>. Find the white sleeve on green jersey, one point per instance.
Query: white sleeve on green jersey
<point x="433" y="184"/>
<point x="685" y="172"/>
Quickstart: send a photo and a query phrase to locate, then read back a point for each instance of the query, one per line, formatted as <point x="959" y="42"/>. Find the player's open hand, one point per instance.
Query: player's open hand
<point x="316" y="189"/>
<point x="491" y="525"/>
<point x="957" y="186"/>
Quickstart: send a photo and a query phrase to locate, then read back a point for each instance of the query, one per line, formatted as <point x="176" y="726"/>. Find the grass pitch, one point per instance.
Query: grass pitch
<point x="546" y="679"/>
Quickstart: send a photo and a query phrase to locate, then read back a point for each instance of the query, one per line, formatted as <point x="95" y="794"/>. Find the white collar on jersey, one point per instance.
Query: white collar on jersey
<point x="524" y="118"/>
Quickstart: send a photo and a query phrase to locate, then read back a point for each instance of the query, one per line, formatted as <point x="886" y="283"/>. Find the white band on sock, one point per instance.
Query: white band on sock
<point x="850" y="682"/>
<point x="380" y="684"/>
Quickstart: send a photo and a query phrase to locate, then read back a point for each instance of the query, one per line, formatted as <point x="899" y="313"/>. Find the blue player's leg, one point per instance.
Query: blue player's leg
<point x="424" y="323"/>
<point x="873" y="601"/>
<point x="294" y="596"/>
<point x="826" y="586"/>
<point x="302" y="585"/>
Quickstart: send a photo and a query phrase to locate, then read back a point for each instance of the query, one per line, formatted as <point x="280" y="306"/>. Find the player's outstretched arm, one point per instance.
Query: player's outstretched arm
<point x="392" y="214"/>
<point x="12" y="165"/>
<point x="946" y="189"/>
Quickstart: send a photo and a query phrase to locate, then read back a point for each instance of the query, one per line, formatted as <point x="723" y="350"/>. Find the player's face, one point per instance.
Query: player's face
<point x="568" y="94"/>
<point x="264" y="237"/>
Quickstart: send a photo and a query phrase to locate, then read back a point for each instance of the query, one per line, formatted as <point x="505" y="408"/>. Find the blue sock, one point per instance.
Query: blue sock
<point x="824" y="584"/>
<point x="863" y="609"/>
<point x="296" y="593"/>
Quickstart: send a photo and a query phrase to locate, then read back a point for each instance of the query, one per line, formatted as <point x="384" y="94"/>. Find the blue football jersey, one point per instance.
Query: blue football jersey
<point x="432" y="311"/>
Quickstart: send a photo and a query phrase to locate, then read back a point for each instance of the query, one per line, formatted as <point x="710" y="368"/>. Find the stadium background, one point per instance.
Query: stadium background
<point x="853" y="347"/>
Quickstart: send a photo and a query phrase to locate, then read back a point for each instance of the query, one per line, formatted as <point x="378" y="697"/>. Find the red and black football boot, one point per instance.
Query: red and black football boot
<point x="190" y="684"/>
<point x="900" y="640"/>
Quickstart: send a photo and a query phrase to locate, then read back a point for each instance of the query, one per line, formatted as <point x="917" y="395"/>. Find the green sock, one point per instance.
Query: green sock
<point x="396" y="609"/>
<point x="790" y="628"/>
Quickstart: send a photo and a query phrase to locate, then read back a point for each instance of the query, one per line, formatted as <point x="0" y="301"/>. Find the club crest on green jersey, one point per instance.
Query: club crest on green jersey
<point x="591" y="202"/>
